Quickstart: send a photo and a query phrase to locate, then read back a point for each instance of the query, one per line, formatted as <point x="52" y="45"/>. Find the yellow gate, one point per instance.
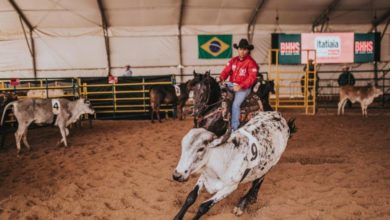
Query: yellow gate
<point x="293" y="89"/>
<point x="110" y="100"/>
<point x="117" y="106"/>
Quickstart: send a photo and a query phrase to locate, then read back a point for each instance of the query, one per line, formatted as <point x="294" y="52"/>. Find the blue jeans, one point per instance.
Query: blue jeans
<point x="239" y="97"/>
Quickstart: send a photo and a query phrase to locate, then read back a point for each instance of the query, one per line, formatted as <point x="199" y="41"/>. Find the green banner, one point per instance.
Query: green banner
<point x="215" y="46"/>
<point x="289" y="48"/>
<point x="365" y="48"/>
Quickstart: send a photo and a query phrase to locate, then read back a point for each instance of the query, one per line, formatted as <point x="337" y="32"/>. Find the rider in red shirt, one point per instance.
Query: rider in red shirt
<point x="242" y="71"/>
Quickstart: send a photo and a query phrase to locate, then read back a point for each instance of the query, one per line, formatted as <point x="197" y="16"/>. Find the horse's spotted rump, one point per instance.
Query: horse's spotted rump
<point x="247" y="155"/>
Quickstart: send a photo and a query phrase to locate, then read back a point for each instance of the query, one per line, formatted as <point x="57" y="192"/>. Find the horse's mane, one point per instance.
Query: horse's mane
<point x="215" y="93"/>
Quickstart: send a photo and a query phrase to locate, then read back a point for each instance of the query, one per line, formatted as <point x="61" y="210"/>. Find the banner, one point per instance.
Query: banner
<point x="215" y="46"/>
<point x="326" y="47"/>
<point x="289" y="48"/>
<point x="366" y="47"/>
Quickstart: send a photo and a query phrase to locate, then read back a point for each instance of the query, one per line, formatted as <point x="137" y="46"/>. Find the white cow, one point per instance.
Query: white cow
<point x="61" y="112"/>
<point x="364" y="95"/>
<point x="248" y="154"/>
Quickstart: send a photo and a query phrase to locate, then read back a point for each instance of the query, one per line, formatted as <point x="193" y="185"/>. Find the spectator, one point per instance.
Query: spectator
<point x="128" y="71"/>
<point x="310" y="82"/>
<point x="346" y="77"/>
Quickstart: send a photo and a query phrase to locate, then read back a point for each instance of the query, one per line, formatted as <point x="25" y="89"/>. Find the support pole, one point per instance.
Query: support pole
<point x="253" y="18"/>
<point x="31" y="29"/>
<point x="105" y="32"/>
<point x="182" y="2"/>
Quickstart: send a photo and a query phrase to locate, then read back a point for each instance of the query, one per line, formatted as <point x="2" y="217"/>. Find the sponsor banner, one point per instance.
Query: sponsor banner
<point x="330" y="47"/>
<point x="289" y="48"/>
<point x="364" y="48"/>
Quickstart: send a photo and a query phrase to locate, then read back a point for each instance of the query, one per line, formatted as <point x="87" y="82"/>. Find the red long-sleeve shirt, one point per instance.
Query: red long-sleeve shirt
<point x="242" y="72"/>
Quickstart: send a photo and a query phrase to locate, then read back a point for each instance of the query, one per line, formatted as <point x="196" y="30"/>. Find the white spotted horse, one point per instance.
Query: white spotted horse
<point x="246" y="156"/>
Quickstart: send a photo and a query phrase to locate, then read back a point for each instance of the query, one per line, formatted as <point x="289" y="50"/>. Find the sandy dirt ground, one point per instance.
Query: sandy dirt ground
<point x="333" y="168"/>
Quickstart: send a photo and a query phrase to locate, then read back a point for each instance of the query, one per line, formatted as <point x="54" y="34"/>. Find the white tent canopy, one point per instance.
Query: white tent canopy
<point x="158" y="36"/>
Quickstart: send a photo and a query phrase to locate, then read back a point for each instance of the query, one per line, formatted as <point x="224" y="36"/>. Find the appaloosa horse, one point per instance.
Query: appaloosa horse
<point x="247" y="156"/>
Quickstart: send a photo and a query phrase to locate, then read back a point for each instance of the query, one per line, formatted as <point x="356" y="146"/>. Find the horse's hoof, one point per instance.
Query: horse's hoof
<point x="237" y="211"/>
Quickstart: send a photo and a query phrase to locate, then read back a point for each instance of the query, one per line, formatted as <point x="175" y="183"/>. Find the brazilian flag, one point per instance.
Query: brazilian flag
<point x="215" y="46"/>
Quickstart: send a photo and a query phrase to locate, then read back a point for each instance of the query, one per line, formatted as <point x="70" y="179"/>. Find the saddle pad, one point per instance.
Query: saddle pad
<point x="253" y="149"/>
<point x="177" y="90"/>
<point x="55" y="106"/>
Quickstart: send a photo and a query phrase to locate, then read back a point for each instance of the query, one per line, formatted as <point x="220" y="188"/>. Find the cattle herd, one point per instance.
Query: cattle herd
<point x="223" y="158"/>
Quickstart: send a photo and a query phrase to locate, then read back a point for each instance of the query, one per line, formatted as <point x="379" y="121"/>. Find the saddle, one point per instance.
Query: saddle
<point x="251" y="104"/>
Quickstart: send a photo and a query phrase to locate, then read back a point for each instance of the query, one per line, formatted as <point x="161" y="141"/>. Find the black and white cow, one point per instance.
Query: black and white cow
<point x="247" y="156"/>
<point x="43" y="111"/>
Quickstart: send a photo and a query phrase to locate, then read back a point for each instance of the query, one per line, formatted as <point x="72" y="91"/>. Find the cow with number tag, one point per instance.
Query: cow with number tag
<point x="61" y="112"/>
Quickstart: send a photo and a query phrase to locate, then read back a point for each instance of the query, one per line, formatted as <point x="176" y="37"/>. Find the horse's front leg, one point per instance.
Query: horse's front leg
<point x="179" y="110"/>
<point x="191" y="198"/>
<point x="206" y="205"/>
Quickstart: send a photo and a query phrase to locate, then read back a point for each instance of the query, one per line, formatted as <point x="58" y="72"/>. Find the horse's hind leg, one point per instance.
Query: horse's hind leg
<point x="179" y="111"/>
<point x="151" y="114"/>
<point x="250" y="197"/>
<point x="158" y="114"/>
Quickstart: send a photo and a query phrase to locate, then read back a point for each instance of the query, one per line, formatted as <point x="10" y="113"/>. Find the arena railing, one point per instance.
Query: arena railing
<point x="329" y="88"/>
<point x="128" y="98"/>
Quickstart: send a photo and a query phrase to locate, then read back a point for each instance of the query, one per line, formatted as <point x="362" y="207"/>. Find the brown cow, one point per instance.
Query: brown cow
<point x="364" y="95"/>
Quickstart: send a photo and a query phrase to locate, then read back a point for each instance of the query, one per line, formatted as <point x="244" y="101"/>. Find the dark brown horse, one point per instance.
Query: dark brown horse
<point x="212" y="104"/>
<point x="166" y="94"/>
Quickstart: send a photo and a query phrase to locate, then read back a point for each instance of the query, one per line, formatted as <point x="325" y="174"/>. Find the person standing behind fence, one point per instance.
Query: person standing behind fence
<point x="128" y="71"/>
<point x="346" y="77"/>
<point x="310" y="81"/>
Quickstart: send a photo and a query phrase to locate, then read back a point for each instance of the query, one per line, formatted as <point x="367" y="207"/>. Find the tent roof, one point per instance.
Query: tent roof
<point x="46" y="14"/>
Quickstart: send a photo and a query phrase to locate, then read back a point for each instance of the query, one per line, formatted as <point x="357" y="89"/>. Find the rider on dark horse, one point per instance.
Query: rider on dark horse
<point x="242" y="72"/>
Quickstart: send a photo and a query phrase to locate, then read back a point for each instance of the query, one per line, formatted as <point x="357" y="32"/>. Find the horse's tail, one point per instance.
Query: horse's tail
<point x="5" y="110"/>
<point x="292" y="127"/>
